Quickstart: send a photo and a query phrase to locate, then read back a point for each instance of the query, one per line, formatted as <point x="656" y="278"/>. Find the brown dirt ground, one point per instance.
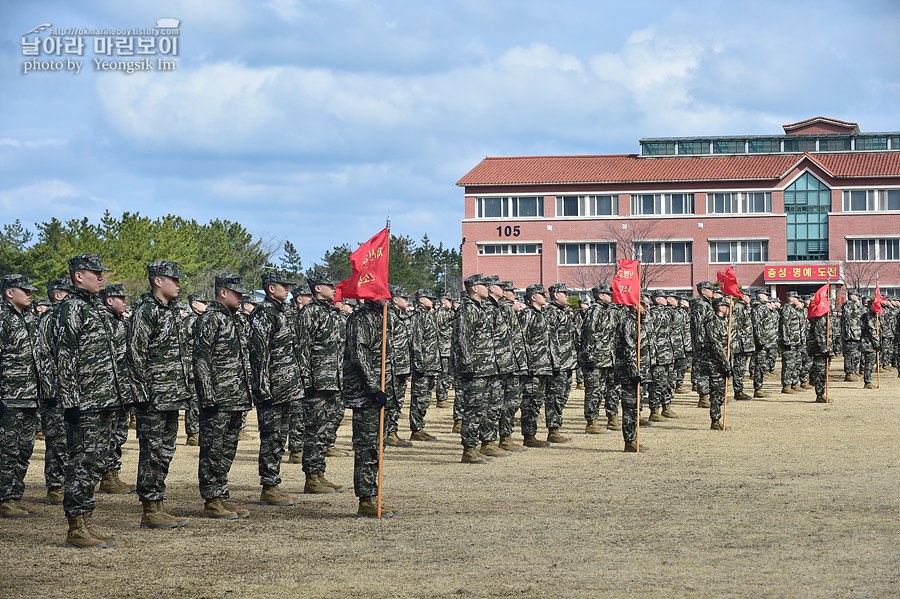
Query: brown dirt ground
<point x="794" y="500"/>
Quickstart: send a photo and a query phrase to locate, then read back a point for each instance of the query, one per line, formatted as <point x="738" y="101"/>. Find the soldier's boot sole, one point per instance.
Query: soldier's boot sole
<point x="79" y="537"/>
<point x="9" y="509"/>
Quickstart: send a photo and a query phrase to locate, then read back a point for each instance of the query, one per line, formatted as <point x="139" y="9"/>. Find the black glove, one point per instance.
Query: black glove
<point x="210" y="410"/>
<point x="467" y="377"/>
<point x="72" y="415"/>
<point x="309" y="392"/>
<point x="142" y="406"/>
<point x="2" y="409"/>
<point x="50" y="402"/>
<point x="379" y="398"/>
<point x="589" y="366"/>
<point x="725" y="373"/>
<point x="636" y="380"/>
<point x="266" y="403"/>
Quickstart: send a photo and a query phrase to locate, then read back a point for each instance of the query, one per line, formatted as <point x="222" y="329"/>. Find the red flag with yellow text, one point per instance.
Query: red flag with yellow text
<point x="819" y="305"/>
<point x="876" y="303"/>
<point x="728" y="282"/>
<point x="626" y="283"/>
<point x="370" y="270"/>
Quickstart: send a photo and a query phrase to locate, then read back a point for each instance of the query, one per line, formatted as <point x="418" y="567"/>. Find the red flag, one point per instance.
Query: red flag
<point x="876" y="303"/>
<point x="370" y="270"/>
<point x="626" y="284"/>
<point x="819" y="304"/>
<point x="728" y="282"/>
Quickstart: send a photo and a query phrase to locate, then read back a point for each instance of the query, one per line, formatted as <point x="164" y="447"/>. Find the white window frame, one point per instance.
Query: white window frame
<point x="587" y="253"/>
<point x="738" y="202"/>
<point x="662" y="204"/>
<point x="511" y="249"/>
<point x="876" y="199"/>
<point x="509" y="207"/>
<point x="738" y="250"/>
<point x="664" y="250"/>
<point x="587" y="205"/>
<point x="879" y="249"/>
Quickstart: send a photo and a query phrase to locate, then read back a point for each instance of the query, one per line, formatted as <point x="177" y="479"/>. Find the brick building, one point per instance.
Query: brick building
<point x="819" y="202"/>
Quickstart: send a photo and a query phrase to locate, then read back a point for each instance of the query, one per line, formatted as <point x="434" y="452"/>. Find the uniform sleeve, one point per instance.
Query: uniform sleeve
<point x="301" y="350"/>
<point x="465" y="352"/>
<point x="140" y="326"/>
<point x="361" y="336"/>
<point x="205" y="335"/>
<point x="261" y="331"/>
<point x="417" y="342"/>
<point x="70" y="323"/>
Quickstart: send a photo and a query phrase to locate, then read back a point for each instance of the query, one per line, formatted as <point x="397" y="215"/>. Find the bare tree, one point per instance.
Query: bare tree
<point x="629" y="235"/>
<point x="860" y="274"/>
<point x="587" y="276"/>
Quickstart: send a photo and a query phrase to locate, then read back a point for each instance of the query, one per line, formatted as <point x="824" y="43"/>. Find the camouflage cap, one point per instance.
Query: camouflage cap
<point x="655" y="293"/>
<point x="705" y="285"/>
<point x="492" y="280"/>
<point x="64" y="283"/>
<point x="40" y="302"/>
<point x="722" y="301"/>
<point x="601" y="289"/>
<point x="164" y="268"/>
<point x="852" y="292"/>
<point x="19" y="281"/>
<point x="558" y="288"/>
<point x="397" y="291"/>
<point x="425" y="293"/>
<point x="87" y="262"/>
<point x="271" y="277"/>
<point x="476" y="279"/>
<point x="196" y="297"/>
<point x="536" y="289"/>
<point x="791" y="294"/>
<point x="114" y="290"/>
<point x="507" y="286"/>
<point x="301" y="290"/>
<point x="321" y="280"/>
<point x="231" y="281"/>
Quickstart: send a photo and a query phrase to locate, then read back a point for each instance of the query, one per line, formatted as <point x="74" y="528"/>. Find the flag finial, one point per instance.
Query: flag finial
<point x="388" y="223"/>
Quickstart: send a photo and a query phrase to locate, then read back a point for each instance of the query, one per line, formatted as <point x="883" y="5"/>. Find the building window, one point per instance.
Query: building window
<point x="734" y="252"/>
<point x="806" y="203"/>
<point x="871" y="143"/>
<point x="764" y="146"/>
<point x="728" y="146"/>
<point x="801" y="144"/>
<point x="693" y="147"/>
<point x="867" y="250"/>
<point x="511" y="207"/>
<point x="586" y="253"/>
<point x="895" y="143"/>
<point x="861" y="200"/>
<point x="661" y="148"/>
<point x="599" y="205"/>
<point x="732" y="202"/>
<point x="662" y="203"/>
<point x="834" y="144"/>
<point x="490" y="249"/>
<point x="664" y="252"/>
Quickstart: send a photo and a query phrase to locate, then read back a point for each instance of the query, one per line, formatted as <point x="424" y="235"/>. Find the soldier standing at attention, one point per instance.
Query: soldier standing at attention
<point x="681" y="327"/>
<point x="596" y="355"/>
<point x="717" y="357"/>
<point x="888" y="324"/>
<point x="763" y="342"/>
<point x="662" y="357"/>
<point x="537" y="352"/>
<point x="276" y="381"/>
<point x="363" y="395"/>
<point x="197" y="305"/>
<point x="701" y="310"/>
<point x="742" y="344"/>
<point x="300" y="297"/>
<point x="630" y="371"/>
<point x="561" y="326"/>
<point x="506" y="366"/>
<point x="870" y="343"/>
<point x="323" y="406"/>
<point x="88" y="388"/>
<point x="426" y="363"/>
<point x="399" y="329"/>
<point x="790" y="335"/>
<point x="819" y="350"/>
<point x="851" y="335"/>
<point x="444" y="318"/>
<point x="476" y="364"/>
<point x="222" y="376"/>
<point x="160" y="365"/>
<point x="20" y="392"/>
<point x="511" y="385"/>
<point x="113" y="298"/>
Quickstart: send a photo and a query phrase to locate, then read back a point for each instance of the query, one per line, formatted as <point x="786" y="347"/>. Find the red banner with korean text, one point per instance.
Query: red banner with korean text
<point x="819" y="305"/>
<point x="370" y="270"/>
<point x="728" y="282"/>
<point x="626" y="283"/>
<point x="876" y="303"/>
<point x="774" y="273"/>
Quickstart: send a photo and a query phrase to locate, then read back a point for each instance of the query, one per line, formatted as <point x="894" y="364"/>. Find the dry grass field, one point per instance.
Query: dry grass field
<point x="796" y="499"/>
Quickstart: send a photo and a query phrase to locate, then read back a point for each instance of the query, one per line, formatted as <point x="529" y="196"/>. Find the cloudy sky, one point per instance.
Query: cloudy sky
<point x="310" y="120"/>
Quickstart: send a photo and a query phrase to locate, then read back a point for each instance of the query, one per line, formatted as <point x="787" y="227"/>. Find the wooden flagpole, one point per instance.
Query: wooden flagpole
<point x="384" y="316"/>
<point x="728" y="359"/>
<point x="827" y="334"/>
<point x="878" y="333"/>
<point x="637" y="437"/>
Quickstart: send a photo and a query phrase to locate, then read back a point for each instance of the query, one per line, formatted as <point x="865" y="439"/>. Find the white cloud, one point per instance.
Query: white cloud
<point x="29" y="144"/>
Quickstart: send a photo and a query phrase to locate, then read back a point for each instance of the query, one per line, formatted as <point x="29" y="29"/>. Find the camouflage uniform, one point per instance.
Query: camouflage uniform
<point x="819" y="352"/>
<point x="662" y="355"/>
<point x="628" y="374"/>
<point x="805" y="362"/>
<point x="192" y="413"/>
<point x="888" y="324"/>
<point x="88" y="389"/>
<point x="444" y="319"/>
<point x="851" y="336"/>
<point x="222" y="377"/>
<point x="742" y="344"/>
<point x="701" y="310"/>
<point x="400" y="326"/>
<point x="536" y="333"/>
<point x="501" y="314"/>
<point x="322" y="403"/>
<point x="116" y="324"/>
<point x="597" y="358"/>
<point x="763" y="342"/>
<point x="426" y="361"/>
<point x="716" y="361"/>
<point x="790" y="333"/>
<point x="20" y="391"/>
<point x="870" y="343"/>
<point x="362" y="391"/>
<point x="297" y="427"/>
<point x="684" y="354"/>
<point x="563" y="356"/>
<point x="276" y="378"/>
<point x="510" y="384"/>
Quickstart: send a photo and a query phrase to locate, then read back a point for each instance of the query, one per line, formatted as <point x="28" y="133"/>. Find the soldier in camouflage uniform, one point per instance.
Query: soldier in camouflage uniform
<point x="870" y="343"/>
<point x="819" y="350"/>
<point x="399" y="328"/>
<point x="742" y="344"/>
<point x="763" y="341"/>
<point x="300" y="297"/>
<point x="89" y="392"/>
<point x="701" y="311"/>
<point x="160" y="364"/>
<point x="596" y="356"/>
<point x="505" y="360"/>
<point x="888" y="324"/>
<point x="222" y="377"/>
<point x="716" y="361"/>
<point x="536" y="333"/>
<point x="323" y="406"/>
<point x="511" y="385"/>
<point x="660" y="387"/>
<point x="631" y="369"/>
<point x="113" y="298"/>
<point x="790" y="331"/>
<point x="851" y="335"/>
<point x="476" y="363"/>
<point x="20" y="393"/>
<point x="51" y="408"/>
<point x="805" y="360"/>
<point x="364" y="395"/>
<point x="197" y="305"/>
<point x="426" y="363"/>
<point x="563" y="356"/>
<point x="277" y="381"/>
<point x="681" y="330"/>
<point x="444" y="319"/>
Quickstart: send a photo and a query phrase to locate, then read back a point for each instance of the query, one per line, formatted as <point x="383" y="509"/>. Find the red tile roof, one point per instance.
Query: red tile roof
<point x="630" y="168"/>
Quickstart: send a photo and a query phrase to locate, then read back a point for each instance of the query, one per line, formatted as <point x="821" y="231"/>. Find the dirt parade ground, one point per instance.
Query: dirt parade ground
<point x="795" y="499"/>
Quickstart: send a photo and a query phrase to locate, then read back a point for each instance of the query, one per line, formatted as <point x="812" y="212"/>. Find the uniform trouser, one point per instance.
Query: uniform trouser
<point x="218" y="446"/>
<point x="716" y="394"/>
<point x="458" y="386"/>
<point x="701" y="378"/>
<point x="295" y="433"/>
<point x="87" y="443"/>
<point x="579" y="376"/>
<point x="758" y="368"/>
<point x="851" y="357"/>
<point x="335" y="417"/>
<point x="805" y="363"/>
<point x="595" y="389"/>
<point x="818" y="372"/>
<point x="192" y="417"/>
<point x="442" y="382"/>
<point x="867" y="361"/>
<point x="494" y="408"/>
<point x="316" y="413"/>
<point x="511" y="386"/>
<point x="738" y="369"/>
<point x="630" y="408"/>
<point x="790" y="367"/>
<point x="274" y="422"/>
<point x="477" y="395"/>
<point x="613" y="395"/>
<point x="534" y="390"/>
<point x="659" y="386"/>
<point x="17" y="429"/>
<point x="771" y="358"/>
<point x="54" y="428"/>
<point x="394" y="405"/>
<point x="887" y="352"/>
<point x="681" y="366"/>
<point x="118" y="439"/>
<point x="420" y="399"/>
<point x="365" y="451"/>
<point x="156" y="432"/>
<point x="558" y="387"/>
